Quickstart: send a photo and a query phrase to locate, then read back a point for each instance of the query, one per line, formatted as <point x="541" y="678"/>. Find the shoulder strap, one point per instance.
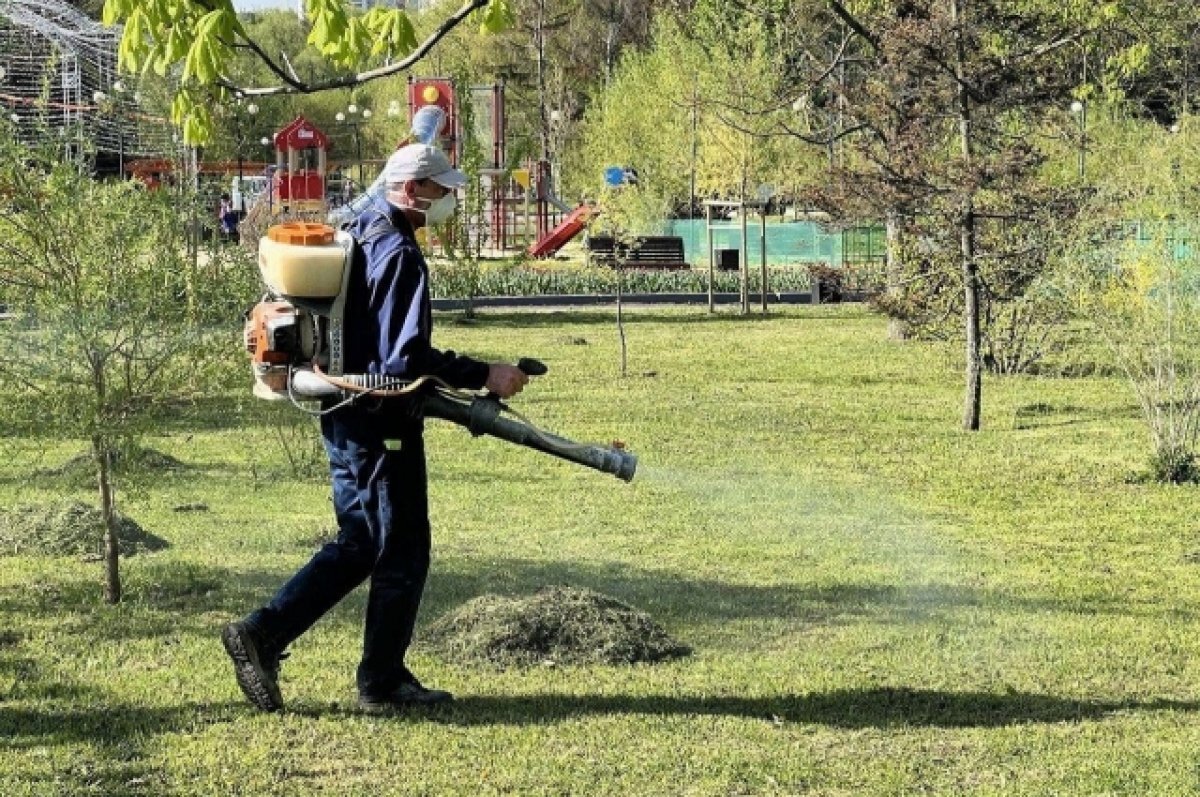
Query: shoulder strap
<point x="379" y="225"/>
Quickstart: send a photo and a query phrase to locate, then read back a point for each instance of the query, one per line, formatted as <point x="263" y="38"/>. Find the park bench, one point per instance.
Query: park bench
<point x="648" y="252"/>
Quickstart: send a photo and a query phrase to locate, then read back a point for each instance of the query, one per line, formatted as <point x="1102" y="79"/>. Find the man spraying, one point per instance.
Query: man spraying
<point x="376" y="453"/>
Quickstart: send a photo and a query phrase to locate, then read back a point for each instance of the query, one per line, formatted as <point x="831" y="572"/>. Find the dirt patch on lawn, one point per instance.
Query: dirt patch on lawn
<point x="558" y="625"/>
<point x="72" y="529"/>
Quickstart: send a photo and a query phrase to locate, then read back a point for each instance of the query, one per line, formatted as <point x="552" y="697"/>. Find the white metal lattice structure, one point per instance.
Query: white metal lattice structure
<point x="59" y="84"/>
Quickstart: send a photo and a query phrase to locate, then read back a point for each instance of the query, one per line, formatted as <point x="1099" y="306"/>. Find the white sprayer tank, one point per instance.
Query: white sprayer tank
<point x="304" y="260"/>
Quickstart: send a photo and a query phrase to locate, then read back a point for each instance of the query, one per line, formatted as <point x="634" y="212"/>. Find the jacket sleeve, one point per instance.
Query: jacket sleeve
<point x="399" y="298"/>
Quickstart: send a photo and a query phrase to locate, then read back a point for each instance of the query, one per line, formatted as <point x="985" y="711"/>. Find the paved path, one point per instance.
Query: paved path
<point x="593" y="300"/>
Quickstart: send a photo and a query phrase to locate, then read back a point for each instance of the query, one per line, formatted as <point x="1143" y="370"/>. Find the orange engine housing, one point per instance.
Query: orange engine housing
<point x="271" y="333"/>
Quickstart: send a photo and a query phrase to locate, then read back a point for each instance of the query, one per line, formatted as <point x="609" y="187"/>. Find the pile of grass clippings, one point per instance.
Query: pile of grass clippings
<point x="558" y="625"/>
<point x="73" y="529"/>
<point x="80" y="470"/>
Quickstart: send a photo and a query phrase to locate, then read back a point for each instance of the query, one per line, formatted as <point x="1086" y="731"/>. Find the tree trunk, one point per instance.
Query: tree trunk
<point x="610" y="51"/>
<point x="972" y="406"/>
<point x="966" y="229"/>
<point x="112" y="562"/>
<point x="539" y="42"/>
<point x="897" y="329"/>
<point x="621" y="321"/>
<point x="744" y="271"/>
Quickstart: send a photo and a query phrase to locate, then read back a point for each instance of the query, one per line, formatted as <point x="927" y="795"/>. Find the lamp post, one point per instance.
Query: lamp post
<point x="352" y="118"/>
<point x="119" y="88"/>
<point x="13" y="116"/>
<point x="107" y="107"/>
<point x="1079" y="108"/>
<point x="270" y="174"/>
<point x="240" y="131"/>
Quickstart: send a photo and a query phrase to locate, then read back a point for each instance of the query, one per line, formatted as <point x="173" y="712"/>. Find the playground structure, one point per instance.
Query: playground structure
<point x="301" y="166"/>
<point x="520" y="210"/>
<point x="59" y="87"/>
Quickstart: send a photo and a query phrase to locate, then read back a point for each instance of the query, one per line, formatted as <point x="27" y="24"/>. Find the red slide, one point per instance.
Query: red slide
<point x="571" y="226"/>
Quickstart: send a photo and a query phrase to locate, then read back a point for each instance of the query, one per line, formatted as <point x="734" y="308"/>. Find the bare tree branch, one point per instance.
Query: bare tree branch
<point x="853" y="22"/>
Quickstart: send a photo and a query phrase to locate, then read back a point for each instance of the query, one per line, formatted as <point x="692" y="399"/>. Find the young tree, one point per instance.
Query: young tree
<point x="1132" y="269"/>
<point x="92" y="271"/>
<point x="943" y="110"/>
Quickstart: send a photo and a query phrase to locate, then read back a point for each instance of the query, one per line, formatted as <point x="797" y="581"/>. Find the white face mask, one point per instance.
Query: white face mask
<point x="440" y="210"/>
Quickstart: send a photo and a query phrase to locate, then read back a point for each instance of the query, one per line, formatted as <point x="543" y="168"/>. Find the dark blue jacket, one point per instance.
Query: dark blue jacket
<point x="388" y="320"/>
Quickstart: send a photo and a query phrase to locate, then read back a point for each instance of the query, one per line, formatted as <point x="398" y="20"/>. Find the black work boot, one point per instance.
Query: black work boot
<point x="409" y="694"/>
<point x="255" y="664"/>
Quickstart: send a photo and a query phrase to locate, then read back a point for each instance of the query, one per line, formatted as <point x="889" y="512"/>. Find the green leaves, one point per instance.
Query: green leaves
<point x="115" y="11"/>
<point x="391" y="30"/>
<point x="330" y="29"/>
<point x="497" y="16"/>
<point x="192" y="115"/>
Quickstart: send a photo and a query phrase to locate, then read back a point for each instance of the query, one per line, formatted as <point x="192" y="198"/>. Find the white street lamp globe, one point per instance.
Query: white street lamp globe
<point x="341" y="117"/>
<point x="1076" y="106"/>
<point x="366" y="113"/>
<point x="352" y="108"/>
<point x="266" y="142"/>
<point x="393" y="110"/>
<point x="98" y="96"/>
<point x="118" y="86"/>
<point x="252" y="109"/>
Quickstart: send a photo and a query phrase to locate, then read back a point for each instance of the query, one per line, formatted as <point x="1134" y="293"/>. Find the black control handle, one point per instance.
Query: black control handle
<point x="532" y="367"/>
<point x="529" y="367"/>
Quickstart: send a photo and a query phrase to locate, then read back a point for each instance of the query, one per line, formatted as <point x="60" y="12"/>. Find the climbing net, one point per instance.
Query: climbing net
<point x="59" y="84"/>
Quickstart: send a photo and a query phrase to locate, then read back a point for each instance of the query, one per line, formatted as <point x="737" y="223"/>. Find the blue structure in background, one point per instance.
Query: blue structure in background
<point x="614" y="176"/>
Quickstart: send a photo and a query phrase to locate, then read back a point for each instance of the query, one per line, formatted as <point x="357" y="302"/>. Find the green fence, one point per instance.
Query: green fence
<point x="788" y="243"/>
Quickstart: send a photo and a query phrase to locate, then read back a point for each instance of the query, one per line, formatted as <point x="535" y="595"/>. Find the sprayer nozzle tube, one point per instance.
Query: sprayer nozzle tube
<point x="482" y="416"/>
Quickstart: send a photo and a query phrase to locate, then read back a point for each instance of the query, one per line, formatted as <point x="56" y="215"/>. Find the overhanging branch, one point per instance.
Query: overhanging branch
<point x="296" y="87"/>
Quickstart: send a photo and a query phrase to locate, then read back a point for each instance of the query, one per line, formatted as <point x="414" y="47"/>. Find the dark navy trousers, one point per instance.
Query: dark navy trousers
<point x="380" y="497"/>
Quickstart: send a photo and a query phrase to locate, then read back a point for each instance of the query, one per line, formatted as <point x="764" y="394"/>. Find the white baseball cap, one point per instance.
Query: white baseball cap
<point x="420" y="162"/>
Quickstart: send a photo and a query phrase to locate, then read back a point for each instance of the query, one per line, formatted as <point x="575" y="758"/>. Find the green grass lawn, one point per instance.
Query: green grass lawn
<point x="879" y="603"/>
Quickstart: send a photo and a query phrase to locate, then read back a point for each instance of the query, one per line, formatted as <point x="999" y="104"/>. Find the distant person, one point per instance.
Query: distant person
<point x="228" y="218"/>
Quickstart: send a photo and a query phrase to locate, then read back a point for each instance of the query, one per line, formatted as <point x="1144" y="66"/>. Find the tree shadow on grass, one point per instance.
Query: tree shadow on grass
<point x="852" y="709"/>
<point x="516" y="319"/>
<point x="170" y="598"/>
<point x="115" y="742"/>
<point x="103" y="723"/>
<point x="672" y="596"/>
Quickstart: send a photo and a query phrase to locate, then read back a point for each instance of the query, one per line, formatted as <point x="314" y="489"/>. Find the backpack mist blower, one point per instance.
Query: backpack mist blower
<point x="295" y="337"/>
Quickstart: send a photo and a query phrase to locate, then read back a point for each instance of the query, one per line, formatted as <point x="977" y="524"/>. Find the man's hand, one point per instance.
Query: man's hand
<point x="505" y="380"/>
